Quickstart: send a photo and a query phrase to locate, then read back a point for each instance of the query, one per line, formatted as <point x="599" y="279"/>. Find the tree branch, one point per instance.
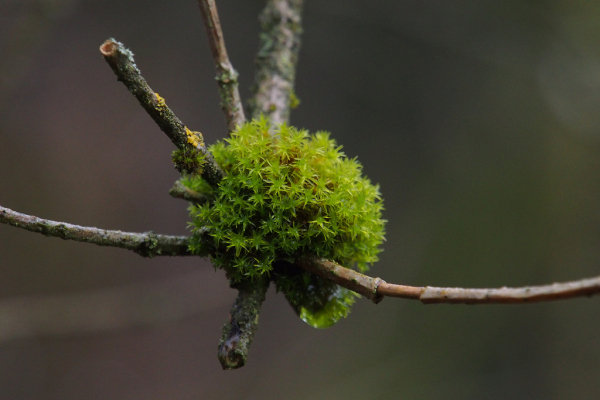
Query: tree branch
<point x="146" y="244"/>
<point x="281" y="23"/>
<point x="227" y="77"/>
<point x="180" y="191"/>
<point x="276" y="62"/>
<point x="275" y="79"/>
<point x="375" y="288"/>
<point x="239" y="331"/>
<point x="121" y="61"/>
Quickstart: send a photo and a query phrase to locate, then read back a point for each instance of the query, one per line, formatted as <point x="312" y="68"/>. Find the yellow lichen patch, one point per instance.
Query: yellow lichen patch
<point x="160" y="100"/>
<point x="193" y="138"/>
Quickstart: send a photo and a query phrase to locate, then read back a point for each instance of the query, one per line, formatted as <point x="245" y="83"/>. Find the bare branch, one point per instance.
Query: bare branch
<point x="375" y="288"/>
<point x="503" y="295"/>
<point x="281" y="23"/>
<point x="231" y="103"/>
<point x="239" y="330"/>
<point x="180" y="191"/>
<point x="348" y="278"/>
<point x="121" y="61"/>
<point x="146" y="244"/>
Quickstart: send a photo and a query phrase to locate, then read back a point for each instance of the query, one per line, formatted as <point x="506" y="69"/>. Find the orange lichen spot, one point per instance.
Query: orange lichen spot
<point x="193" y="138"/>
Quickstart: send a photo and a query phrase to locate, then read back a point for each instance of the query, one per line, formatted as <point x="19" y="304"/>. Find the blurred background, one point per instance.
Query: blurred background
<point x="480" y="121"/>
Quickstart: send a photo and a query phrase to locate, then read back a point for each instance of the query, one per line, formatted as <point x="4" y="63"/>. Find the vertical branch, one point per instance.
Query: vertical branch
<point x="276" y="71"/>
<point x="231" y="103"/>
<point x="281" y="23"/>
<point x="239" y="331"/>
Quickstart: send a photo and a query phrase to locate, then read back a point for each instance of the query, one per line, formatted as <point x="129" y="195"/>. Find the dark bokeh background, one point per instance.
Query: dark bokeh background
<point x="480" y="120"/>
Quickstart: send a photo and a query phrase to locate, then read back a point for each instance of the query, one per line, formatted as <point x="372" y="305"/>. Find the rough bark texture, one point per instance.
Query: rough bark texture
<point x="281" y="23"/>
<point x="121" y="61"/>
<point x="146" y="244"/>
<point x="227" y="77"/>
<point x="239" y="331"/>
<point x="275" y="75"/>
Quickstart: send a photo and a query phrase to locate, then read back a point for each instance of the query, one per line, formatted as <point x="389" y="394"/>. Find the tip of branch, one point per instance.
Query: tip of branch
<point x="109" y="47"/>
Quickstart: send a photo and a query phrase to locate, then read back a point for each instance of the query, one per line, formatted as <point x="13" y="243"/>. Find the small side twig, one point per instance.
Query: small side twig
<point x="180" y="191"/>
<point x="146" y="244"/>
<point x="281" y="23"/>
<point x="375" y="288"/>
<point x="121" y="61"/>
<point x="231" y="103"/>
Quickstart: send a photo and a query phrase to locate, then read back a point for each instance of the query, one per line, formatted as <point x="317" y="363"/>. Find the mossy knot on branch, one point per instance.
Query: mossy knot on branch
<point x="287" y="193"/>
<point x="189" y="160"/>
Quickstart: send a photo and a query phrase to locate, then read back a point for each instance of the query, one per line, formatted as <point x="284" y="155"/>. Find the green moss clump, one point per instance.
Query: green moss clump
<point x="188" y="160"/>
<point x="288" y="193"/>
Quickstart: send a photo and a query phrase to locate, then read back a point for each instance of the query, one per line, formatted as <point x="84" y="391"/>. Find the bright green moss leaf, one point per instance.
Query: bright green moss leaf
<point x="288" y="193"/>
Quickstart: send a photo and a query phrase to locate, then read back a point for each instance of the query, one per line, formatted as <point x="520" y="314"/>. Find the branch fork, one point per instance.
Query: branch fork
<point x="276" y="65"/>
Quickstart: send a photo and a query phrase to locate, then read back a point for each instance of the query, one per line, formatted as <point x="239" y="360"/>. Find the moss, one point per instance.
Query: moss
<point x="294" y="100"/>
<point x="188" y="160"/>
<point x="288" y="193"/>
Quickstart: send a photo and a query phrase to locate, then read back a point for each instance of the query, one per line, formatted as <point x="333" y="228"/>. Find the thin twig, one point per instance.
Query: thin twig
<point x="147" y="244"/>
<point x="227" y="77"/>
<point x="375" y="288"/>
<point x="281" y="23"/>
<point x="503" y="295"/>
<point x="350" y="279"/>
<point x="180" y="191"/>
<point x="121" y="61"/>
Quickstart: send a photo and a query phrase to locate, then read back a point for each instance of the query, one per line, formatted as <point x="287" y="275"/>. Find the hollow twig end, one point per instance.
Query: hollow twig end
<point x="108" y="48"/>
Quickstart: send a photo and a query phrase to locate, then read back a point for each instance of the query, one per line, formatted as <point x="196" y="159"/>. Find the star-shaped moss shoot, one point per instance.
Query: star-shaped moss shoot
<point x="288" y="193"/>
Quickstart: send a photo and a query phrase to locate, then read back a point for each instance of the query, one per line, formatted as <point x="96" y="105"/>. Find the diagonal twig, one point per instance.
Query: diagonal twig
<point x="121" y="61"/>
<point x="180" y="191"/>
<point x="231" y="103"/>
<point x="147" y="244"/>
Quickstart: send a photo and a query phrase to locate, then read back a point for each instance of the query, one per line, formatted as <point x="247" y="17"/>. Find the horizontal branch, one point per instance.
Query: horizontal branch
<point x="147" y="244"/>
<point x="348" y="278"/>
<point x="227" y="77"/>
<point x="121" y="61"/>
<point x="375" y="288"/>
